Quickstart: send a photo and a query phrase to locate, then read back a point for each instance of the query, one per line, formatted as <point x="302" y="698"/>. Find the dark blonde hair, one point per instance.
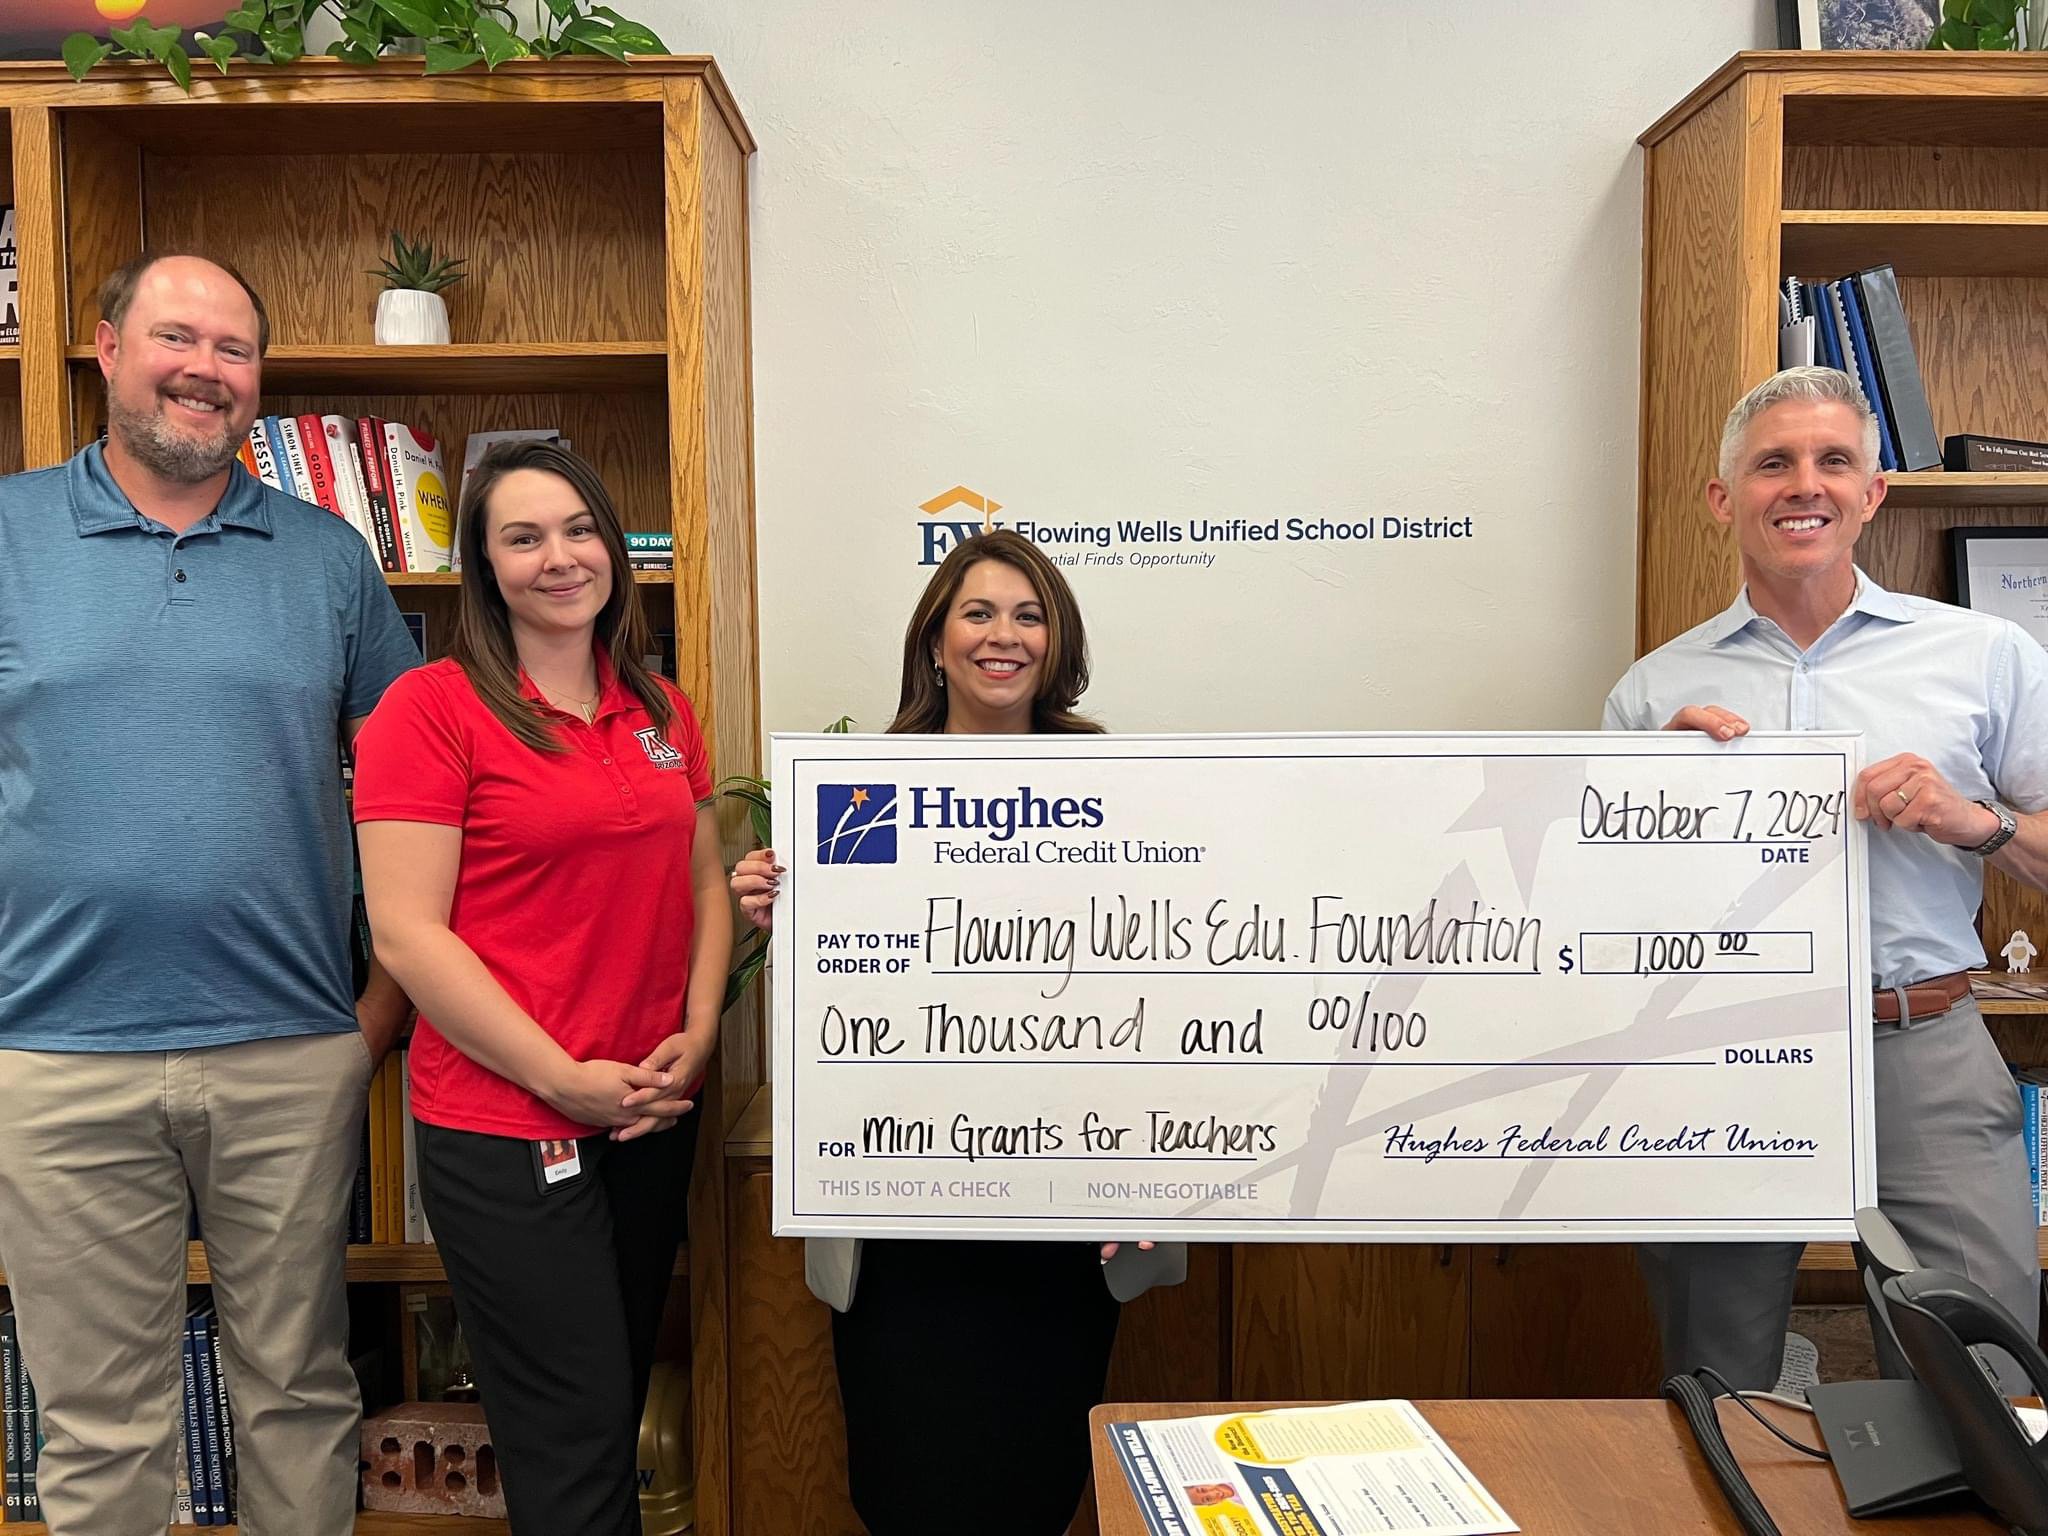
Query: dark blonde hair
<point x="483" y="645"/>
<point x="921" y="706"/>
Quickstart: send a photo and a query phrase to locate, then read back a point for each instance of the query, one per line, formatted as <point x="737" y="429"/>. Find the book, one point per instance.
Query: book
<point x="223" y="1420"/>
<point x="246" y="454"/>
<point x="370" y="456"/>
<point x="319" y="469"/>
<point x="477" y="444"/>
<point x="10" y="281"/>
<point x="195" y="1453"/>
<point x="10" y="1427"/>
<point x="1967" y="453"/>
<point x="1866" y="373"/>
<point x="394" y="1147"/>
<point x="1898" y="368"/>
<point x="298" y="479"/>
<point x="415" y="1215"/>
<point x="209" y="1417"/>
<point x="263" y="454"/>
<point x="338" y="443"/>
<point x="31" y="1422"/>
<point x="649" y="543"/>
<point x="420" y="508"/>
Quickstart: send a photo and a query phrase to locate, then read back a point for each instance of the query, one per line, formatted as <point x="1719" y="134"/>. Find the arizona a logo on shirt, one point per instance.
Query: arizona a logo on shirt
<point x="659" y="752"/>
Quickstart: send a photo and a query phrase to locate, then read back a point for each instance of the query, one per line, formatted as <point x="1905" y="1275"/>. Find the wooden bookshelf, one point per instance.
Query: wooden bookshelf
<point x="1814" y="165"/>
<point x="602" y="210"/>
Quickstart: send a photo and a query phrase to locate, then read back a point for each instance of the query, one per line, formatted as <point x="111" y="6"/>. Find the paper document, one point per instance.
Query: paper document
<point x="1337" y="1471"/>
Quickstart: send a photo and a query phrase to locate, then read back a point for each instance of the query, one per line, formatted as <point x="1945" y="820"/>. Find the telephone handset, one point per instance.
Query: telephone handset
<point x="1938" y="1318"/>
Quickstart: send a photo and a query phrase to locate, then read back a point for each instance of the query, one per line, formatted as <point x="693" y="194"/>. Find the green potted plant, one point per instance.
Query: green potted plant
<point x="448" y="34"/>
<point x="410" y="310"/>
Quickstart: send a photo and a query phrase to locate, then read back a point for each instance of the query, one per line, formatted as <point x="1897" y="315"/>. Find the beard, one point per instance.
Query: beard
<point x="165" y="451"/>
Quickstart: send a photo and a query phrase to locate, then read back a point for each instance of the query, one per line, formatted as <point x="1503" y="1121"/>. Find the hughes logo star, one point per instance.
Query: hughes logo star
<point x="856" y="823"/>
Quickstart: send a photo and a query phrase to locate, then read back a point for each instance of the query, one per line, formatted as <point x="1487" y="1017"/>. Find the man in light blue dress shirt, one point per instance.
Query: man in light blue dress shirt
<point x="1954" y="710"/>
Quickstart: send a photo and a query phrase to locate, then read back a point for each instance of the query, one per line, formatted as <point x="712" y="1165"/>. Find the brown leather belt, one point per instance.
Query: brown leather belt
<point x="1924" y="999"/>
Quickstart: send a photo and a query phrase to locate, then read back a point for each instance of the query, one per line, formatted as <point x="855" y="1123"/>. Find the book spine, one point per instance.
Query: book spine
<point x="298" y="478"/>
<point x="10" y="1426"/>
<point x="359" y="1205"/>
<point x="223" y="1420"/>
<point x="263" y="448"/>
<point x="394" y="1149"/>
<point x="31" y="1419"/>
<point x="195" y="1453"/>
<point x="246" y="455"/>
<point x="415" y="1221"/>
<point x="181" y="1488"/>
<point x="1866" y="374"/>
<point x="2030" y="1131"/>
<point x="1899" y="369"/>
<point x="338" y="434"/>
<point x="370" y="444"/>
<point x="209" y="1424"/>
<point x="319" y="471"/>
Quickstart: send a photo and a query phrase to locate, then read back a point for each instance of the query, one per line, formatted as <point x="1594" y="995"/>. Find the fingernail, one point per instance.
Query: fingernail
<point x="664" y="1079"/>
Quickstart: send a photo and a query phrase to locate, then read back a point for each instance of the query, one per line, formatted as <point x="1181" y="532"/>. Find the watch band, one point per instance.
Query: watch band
<point x="2008" y="827"/>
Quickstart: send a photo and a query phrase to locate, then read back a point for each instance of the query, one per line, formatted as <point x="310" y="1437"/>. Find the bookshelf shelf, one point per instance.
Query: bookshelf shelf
<point x="369" y="1263"/>
<point x="490" y="368"/>
<point x="1918" y="242"/>
<point x="1936" y="488"/>
<point x="454" y="578"/>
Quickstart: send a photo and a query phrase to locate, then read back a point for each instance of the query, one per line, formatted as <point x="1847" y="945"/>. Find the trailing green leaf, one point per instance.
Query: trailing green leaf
<point x="82" y="51"/>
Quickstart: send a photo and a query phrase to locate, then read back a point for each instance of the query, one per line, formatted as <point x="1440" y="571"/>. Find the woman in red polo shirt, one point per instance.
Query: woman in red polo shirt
<point x="544" y="880"/>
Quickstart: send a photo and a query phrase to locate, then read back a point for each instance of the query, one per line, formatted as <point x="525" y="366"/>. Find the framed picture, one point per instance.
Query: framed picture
<point x="36" y="29"/>
<point x="2004" y="571"/>
<point x="1890" y="25"/>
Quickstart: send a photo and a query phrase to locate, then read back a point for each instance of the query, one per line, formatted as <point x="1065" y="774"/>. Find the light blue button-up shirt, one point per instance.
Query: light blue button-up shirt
<point x="1966" y="691"/>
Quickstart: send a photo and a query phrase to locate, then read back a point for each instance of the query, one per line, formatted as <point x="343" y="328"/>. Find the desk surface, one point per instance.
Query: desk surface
<point x="1595" y="1469"/>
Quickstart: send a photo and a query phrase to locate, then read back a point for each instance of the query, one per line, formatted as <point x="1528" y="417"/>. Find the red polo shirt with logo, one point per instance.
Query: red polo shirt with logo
<point x="574" y="888"/>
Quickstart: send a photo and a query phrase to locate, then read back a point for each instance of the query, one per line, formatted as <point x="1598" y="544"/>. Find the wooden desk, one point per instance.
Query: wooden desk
<point x="1618" y="1468"/>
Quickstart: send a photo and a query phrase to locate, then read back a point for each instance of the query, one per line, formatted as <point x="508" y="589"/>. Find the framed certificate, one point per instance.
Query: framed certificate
<point x="2004" y="571"/>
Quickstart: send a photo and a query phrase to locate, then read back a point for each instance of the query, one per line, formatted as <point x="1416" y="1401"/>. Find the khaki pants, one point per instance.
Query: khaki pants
<point x="97" y="1151"/>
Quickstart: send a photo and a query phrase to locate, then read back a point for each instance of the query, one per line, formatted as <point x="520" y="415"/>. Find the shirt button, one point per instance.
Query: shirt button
<point x="181" y="576"/>
<point x="607" y="762"/>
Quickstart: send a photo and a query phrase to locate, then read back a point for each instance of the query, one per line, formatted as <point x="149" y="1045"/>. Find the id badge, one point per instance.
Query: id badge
<point x="555" y="1163"/>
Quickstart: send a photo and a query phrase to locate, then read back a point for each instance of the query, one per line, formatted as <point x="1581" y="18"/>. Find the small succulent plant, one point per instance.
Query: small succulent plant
<point x="413" y="266"/>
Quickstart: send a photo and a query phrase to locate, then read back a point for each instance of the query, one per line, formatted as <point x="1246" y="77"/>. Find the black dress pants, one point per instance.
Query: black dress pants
<point x="559" y="1294"/>
<point x="967" y="1371"/>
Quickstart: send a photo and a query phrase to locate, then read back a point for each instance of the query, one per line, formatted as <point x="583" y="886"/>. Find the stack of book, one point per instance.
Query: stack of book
<point x="204" y="1492"/>
<point x="1858" y="325"/>
<point x="384" y="478"/>
<point x="651" y="551"/>
<point x="2032" y="1105"/>
<point x="10" y="281"/>
<point x="386" y="1204"/>
<point x="21" y="1440"/>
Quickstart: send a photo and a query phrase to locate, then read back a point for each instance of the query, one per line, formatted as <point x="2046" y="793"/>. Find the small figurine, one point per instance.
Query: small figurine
<point x="2019" y="951"/>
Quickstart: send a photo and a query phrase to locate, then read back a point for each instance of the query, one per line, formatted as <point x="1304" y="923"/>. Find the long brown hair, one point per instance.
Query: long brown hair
<point x="921" y="707"/>
<point x="483" y="645"/>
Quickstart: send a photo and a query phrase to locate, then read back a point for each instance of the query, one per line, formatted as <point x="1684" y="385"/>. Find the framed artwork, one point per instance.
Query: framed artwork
<point x="1880" y="24"/>
<point x="2003" y="571"/>
<point x="36" y="29"/>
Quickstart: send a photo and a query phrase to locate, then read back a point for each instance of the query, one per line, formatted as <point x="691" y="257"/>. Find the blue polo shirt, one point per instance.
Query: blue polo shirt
<point x="175" y="864"/>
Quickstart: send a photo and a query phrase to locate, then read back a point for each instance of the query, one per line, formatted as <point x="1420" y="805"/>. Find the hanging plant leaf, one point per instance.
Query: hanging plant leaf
<point x="498" y="44"/>
<point x="82" y="51"/>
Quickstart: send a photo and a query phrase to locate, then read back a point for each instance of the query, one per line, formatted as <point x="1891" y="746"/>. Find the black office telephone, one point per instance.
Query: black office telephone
<point x="1938" y="1318"/>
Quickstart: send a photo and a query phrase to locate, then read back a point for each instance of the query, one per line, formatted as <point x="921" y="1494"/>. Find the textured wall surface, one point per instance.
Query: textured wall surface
<point x="1195" y="262"/>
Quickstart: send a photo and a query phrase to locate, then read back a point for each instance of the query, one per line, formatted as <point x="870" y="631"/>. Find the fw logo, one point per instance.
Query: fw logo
<point x="856" y="823"/>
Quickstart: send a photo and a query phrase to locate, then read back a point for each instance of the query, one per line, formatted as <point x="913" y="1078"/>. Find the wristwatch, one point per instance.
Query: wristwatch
<point x="2008" y="825"/>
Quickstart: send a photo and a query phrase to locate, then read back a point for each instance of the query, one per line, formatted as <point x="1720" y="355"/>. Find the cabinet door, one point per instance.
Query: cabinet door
<point x="1561" y="1320"/>
<point x="1169" y="1342"/>
<point x="1342" y="1320"/>
<point x="788" y="1433"/>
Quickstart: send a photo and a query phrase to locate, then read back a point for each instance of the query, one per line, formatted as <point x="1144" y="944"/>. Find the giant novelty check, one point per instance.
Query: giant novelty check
<point x="1475" y="987"/>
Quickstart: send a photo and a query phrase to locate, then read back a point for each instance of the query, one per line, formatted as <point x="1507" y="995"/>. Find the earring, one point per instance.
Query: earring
<point x="938" y="673"/>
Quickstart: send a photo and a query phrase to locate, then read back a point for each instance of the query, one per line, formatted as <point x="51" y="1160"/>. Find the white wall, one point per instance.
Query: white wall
<point x="1187" y="260"/>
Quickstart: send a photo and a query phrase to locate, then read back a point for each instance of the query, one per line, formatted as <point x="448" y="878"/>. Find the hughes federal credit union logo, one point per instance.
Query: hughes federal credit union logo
<point x="856" y="823"/>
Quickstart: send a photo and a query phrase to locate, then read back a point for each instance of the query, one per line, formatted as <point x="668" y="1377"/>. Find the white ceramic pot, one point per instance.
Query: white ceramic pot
<point x="410" y="317"/>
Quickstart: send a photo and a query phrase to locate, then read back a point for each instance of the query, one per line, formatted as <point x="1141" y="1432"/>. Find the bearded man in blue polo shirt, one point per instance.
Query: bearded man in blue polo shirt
<point x="183" y="654"/>
<point x="1953" y="706"/>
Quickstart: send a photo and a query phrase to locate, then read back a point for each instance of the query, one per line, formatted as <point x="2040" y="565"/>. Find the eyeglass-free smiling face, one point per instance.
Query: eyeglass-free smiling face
<point x="992" y="649"/>
<point x="549" y="561"/>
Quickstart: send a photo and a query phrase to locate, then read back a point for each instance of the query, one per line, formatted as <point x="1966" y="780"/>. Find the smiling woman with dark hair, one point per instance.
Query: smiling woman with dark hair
<point x="981" y="1345"/>
<point x="544" y="879"/>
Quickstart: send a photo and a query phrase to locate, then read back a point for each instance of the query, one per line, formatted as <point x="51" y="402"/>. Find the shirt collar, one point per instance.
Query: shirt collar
<point x="99" y="505"/>
<point x="1870" y="598"/>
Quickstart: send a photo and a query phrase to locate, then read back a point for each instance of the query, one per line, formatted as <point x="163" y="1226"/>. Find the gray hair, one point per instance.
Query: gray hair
<point x="1816" y="384"/>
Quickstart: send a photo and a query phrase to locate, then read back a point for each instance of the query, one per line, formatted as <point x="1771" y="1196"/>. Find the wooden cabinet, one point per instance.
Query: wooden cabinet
<point x="602" y="211"/>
